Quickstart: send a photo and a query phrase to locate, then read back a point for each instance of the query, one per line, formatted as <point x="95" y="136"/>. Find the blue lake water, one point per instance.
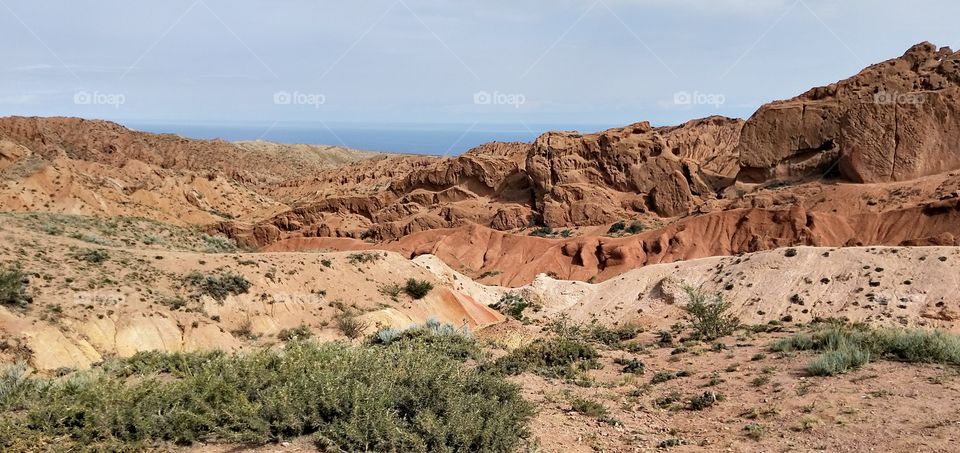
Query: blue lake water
<point x="441" y="139"/>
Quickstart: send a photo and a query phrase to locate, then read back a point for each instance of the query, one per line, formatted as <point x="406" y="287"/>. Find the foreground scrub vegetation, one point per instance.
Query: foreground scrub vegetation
<point x="844" y="348"/>
<point x="401" y="396"/>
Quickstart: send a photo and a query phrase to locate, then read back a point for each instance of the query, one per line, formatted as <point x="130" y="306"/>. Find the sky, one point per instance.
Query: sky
<point x="611" y="62"/>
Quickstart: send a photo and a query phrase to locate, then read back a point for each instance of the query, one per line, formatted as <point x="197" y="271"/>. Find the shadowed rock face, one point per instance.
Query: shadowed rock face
<point x="598" y="178"/>
<point x="894" y="121"/>
<point x="563" y="179"/>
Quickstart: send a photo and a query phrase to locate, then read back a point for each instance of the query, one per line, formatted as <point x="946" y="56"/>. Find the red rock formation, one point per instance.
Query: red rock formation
<point x="598" y="178"/>
<point x="514" y="260"/>
<point x="894" y="121"/>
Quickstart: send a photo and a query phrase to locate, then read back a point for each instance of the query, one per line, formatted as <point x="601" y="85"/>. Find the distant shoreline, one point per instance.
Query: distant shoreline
<point x="439" y="139"/>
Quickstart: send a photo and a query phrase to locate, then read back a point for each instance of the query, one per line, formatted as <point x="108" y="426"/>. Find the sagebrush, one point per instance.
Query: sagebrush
<point x="13" y="288"/>
<point x="845" y="348"/>
<point x="391" y="399"/>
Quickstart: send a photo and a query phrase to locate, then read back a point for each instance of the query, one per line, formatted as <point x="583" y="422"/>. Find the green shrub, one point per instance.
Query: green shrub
<point x="95" y="256"/>
<point x="671" y="442"/>
<point x="755" y="431"/>
<point x="710" y="319"/>
<point x="844" y="358"/>
<point x="668" y="399"/>
<point x="351" y="326"/>
<point x="632" y="366"/>
<point x="364" y="257"/>
<point x="613" y="336"/>
<point x="174" y="303"/>
<point x="664" y="337"/>
<point x="664" y="376"/>
<point x="549" y="357"/>
<point x="391" y="290"/>
<point x="845" y="348"/>
<point x="219" y="286"/>
<point x="13" y="288"/>
<point x="588" y="407"/>
<point x="707" y="399"/>
<point x="444" y="339"/>
<point x="300" y="332"/>
<point x="417" y="289"/>
<point x="617" y="227"/>
<point x="348" y="398"/>
<point x="219" y="244"/>
<point x="512" y="305"/>
<point x="636" y="227"/>
<point x="801" y="342"/>
<point x="542" y="232"/>
<point x="594" y="332"/>
<point x="621" y="228"/>
<point x="917" y="345"/>
<point x="153" y="362"/>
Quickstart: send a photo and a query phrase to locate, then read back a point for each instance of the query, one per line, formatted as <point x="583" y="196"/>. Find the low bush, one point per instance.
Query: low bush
<point x="391" y="290"/>
<point x="617" y="227"/>
<point x="348" y="398"/>
<point x="613" y="336"/>
<point x="219" y="286"/>
<point x="417" y="289"/>
<point x="219" y="244"/>
<point x="845" y="357"/>
<point x="755" y="431"/>
<point x="588" y="407"/>
<point x="95" y="256"/>
<point x="13" y="288"/>
<point x="621" y="228"/>
<point x="664" y="376"/>
<point x="153" y="362"/>
<point x="554" y="357"/>
<point x="364" y="257"/>
<point x="631" y="366"/>
<point x="350" y="325"/>
<point x="512" y="305"/>
<point x="595" y="332"/>
<point x="710" y="319"/>
<point x="300" y="332"/>
<point x="849" y="347"/>
<point x="542" y="232"/>
<point x="444" y="339"/>
<point x="707" y="399"/>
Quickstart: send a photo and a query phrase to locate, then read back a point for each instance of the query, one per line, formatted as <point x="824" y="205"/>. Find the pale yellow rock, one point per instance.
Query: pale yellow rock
<point x="53" y="349"/>
<point x="148" y="333"/>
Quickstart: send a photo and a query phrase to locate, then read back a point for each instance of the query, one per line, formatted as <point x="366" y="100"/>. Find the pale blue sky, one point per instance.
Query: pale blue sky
<point x="395" y="61"/>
